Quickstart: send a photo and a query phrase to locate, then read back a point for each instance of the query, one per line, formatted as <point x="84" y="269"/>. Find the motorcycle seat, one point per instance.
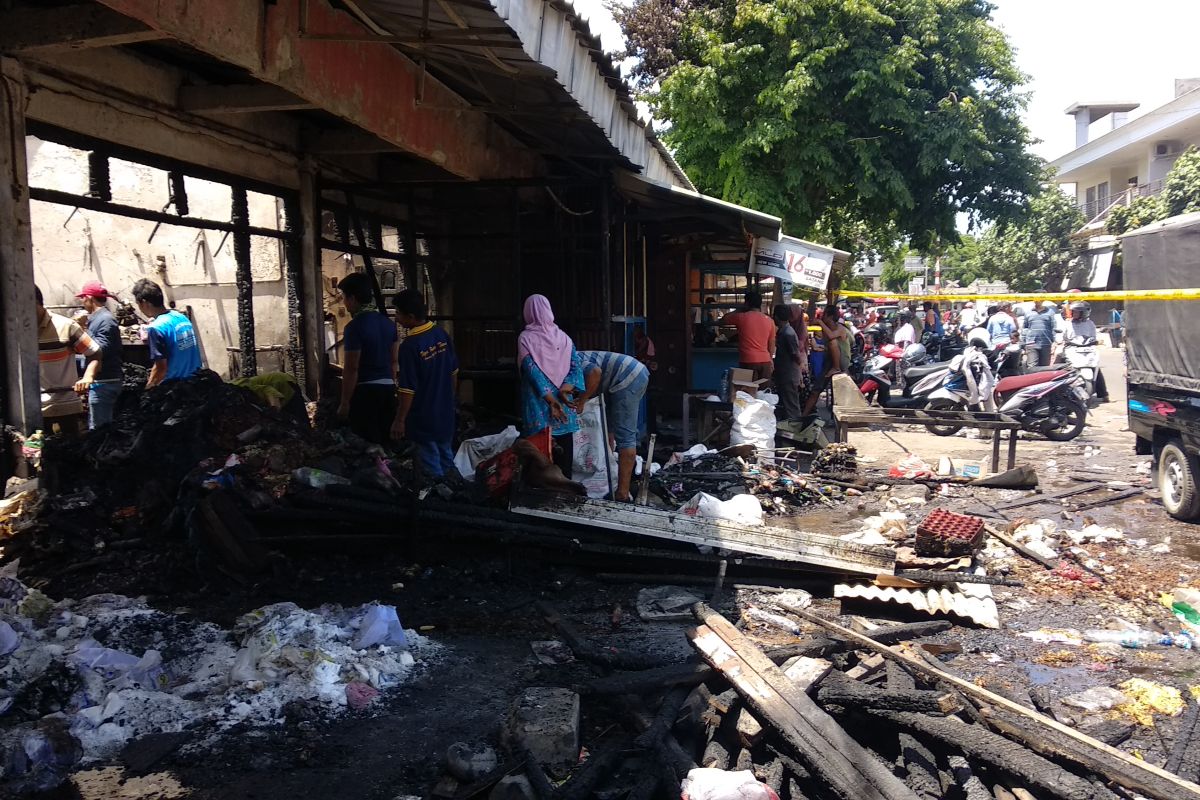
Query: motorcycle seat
<point x="924" y="369"/>
<point x="1014" y="382"/>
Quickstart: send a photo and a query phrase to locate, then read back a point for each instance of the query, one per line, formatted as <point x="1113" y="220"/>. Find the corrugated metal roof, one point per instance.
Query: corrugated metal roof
<point x="972" y="601"/>
<point x="732" y="215"/>
<point x="559" y="61"/>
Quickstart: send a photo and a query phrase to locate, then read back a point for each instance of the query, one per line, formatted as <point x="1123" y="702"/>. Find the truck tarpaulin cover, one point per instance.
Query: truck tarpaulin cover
<point x="1161" y="335"/>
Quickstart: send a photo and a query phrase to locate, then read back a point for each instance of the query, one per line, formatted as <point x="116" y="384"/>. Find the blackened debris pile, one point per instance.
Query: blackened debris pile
<point x="836" y="459"/>
<point x="127" y="506"/>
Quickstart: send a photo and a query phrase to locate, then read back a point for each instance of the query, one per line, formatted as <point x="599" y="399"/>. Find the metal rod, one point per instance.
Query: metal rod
<point x="720" y="582"/>
<point x="150" y="215"/>
<point x="362" y="241"/>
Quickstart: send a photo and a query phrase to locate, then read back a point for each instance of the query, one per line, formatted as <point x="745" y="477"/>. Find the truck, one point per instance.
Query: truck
<point x="1162" y="356"/>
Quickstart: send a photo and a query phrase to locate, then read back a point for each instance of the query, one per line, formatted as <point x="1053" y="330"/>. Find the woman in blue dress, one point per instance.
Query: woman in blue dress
<point x="551" y="373"/>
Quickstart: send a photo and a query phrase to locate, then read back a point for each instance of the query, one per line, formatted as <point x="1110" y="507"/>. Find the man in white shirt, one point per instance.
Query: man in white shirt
<point x="966" y="316"/>
<point x="906" y="334"/>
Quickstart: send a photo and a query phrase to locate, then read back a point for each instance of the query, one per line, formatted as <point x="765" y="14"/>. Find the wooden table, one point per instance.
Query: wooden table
<point x="992" y="421"/>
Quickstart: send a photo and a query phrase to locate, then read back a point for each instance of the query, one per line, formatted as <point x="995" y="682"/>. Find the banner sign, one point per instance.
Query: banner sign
<point x="806" y="265"/>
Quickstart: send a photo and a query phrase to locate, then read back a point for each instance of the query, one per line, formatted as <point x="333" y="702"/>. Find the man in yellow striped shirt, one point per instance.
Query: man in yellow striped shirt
<point x="60" y="339"/>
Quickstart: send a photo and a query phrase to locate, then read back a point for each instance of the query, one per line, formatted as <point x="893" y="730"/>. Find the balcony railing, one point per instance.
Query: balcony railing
<point x="1098" y="209"/>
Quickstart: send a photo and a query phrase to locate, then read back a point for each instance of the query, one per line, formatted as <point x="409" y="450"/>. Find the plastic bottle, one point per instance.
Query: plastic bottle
<point x="1139" y="640"/>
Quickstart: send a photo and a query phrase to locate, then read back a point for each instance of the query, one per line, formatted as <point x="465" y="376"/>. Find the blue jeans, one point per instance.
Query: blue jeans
<point x="102" y="398"/>
<point x="436" y="458"/>
<point x="624" y="407"/>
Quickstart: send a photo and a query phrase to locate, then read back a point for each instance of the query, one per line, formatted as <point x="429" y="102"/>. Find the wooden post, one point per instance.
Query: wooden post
<point x="996" y="450"/>
<point x="312" y="287"/>
<point x="20" y="405"/>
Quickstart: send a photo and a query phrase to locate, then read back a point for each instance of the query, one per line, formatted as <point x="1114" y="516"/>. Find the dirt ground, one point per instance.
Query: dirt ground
<point x="480" y="607"/>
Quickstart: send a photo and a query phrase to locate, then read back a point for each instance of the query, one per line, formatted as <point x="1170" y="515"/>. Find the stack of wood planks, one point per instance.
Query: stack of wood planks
<point x="842" y="714"/>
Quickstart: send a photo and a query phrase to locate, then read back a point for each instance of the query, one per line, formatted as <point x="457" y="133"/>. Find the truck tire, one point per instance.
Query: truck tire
<point x="1177" y="474"/>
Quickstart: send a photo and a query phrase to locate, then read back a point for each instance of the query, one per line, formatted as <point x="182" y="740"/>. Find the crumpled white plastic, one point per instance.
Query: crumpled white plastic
<point x="716" y="784"/>
<point x="743" y="509"/>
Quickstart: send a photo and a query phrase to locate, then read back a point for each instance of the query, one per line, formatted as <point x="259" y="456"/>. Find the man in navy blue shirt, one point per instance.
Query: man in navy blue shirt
<point x="428" y="384"/>
<point x="370" y="345"/>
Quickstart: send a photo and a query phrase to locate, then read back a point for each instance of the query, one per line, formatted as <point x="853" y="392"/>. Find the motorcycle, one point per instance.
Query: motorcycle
<point x="896" y="369"/>
<point x="1081" y="354"/>
<point x="1050" y="403"/>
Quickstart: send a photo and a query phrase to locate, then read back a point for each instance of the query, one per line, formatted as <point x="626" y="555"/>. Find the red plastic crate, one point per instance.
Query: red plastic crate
<point x="944" y="533"/>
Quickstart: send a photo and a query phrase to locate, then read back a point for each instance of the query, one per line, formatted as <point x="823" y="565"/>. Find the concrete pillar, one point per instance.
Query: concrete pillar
<point x="1082" y="120"/>
<point x="21" y="396"/>
<point x="312" y="298"/>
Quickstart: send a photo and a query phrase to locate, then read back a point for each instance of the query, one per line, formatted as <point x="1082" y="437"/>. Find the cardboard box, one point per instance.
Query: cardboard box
<point x="742" y="380"/>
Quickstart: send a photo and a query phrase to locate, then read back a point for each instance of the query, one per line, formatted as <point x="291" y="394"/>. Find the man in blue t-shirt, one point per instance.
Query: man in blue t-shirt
<point x="428" y="384"/>
<point x="174" y="349"/>
<point x="369" y="345"/>
<point x="623" y="379"/>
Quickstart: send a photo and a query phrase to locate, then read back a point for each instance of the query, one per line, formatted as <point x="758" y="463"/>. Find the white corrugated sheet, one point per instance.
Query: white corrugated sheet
<point x="970" y="601"/>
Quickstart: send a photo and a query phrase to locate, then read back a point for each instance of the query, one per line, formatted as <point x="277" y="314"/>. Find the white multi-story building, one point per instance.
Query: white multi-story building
<point x="1117" y="159"/>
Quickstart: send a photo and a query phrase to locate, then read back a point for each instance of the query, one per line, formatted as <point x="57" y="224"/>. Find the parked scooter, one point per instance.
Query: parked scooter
<point x="1081" y="354"/>
<point x="901" y="378"/>
<point x="1050" y="403"/>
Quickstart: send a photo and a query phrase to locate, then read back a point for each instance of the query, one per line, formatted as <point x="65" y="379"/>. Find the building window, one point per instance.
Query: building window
<point x="1102" y="196"/>
<point x="1089" y="204"/>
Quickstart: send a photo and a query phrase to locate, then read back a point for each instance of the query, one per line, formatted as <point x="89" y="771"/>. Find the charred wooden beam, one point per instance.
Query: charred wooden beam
<point x="852" y="694"/>
<point x="238" y="99"/>
<point x="43" y="31"/>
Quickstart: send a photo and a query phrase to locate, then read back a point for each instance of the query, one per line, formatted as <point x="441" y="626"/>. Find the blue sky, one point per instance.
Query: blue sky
<point x="1073" y="50"/>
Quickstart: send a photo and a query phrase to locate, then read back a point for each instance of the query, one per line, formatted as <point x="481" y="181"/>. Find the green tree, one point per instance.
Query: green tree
<point x="859" y="123"/>
<point x="1180" y="195"/>
<point x="894" y="276"/>
<point x="1035" y="251"/>
<point x="962" y="263"/>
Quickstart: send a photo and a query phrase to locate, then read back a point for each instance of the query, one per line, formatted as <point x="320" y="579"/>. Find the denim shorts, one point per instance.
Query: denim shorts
<point x="624" y="406"/>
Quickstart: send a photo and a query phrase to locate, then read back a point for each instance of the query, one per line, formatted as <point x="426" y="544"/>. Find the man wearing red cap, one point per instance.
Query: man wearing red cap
<point x="105" y="386"/>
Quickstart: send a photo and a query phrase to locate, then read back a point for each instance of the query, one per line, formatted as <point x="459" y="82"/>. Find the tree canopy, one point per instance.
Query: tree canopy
<point x="859" y="122"/>
<point x="1180" y="195"/>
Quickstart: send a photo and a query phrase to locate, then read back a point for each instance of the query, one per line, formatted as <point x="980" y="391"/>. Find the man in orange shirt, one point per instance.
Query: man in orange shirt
<point x="756" y="336"/>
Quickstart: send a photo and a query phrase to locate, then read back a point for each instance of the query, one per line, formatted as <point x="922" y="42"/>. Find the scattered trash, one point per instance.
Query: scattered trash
<point x="1047" y="636"/>
<point x="470" y="763"/>
<point x="743" y="509"/>
<point x="473" y="452"/>
<point x="911" y="466"/>
<point x="716" y="784"/>
<point x="835" y="459"/>
<point x="1140" y="639"/>
<point x="1147" y="698"/>
<point x="1098" y="698"/>
<point x="665" y="604"/>
<point x="380" y="625"/>
<point x="552" y="652"/>
<point x="318" y="478"/>
<point x="359" y="695"/>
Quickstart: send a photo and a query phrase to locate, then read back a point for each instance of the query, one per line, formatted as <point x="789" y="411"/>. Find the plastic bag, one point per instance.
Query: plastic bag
<point x="9" y="639"/>
<point x="717" y="784"/>
<point x="588" y="467"/>
<point x="743" y="509"/>
<point x="317" y="478"/>
<point x="122" y="670"/>
<point x="380" y="625"/>
<point x="753" y="422"/>
<point x="472" y="452"/>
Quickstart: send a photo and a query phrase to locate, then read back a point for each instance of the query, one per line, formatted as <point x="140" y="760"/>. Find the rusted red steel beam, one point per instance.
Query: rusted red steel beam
<point x="372" y="86"/>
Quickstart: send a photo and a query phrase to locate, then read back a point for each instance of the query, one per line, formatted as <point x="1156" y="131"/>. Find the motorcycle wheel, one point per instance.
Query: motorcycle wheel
<point x="1072" y="424"/>
<point x="943" y="404"/>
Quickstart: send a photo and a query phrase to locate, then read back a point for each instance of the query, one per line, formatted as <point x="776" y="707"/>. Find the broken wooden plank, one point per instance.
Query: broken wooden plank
<point x="972" y="788"/>
<point x="586" y="651"/>
<point x="995" y="751"/>
<point x="1134" y="774"/>
<point x="852" y="694"/>
<point x="868" y="666"/>
<point x="749" y="730"/>
<point x="806" y="672"/>
<point x="920" y="768"/>
<point x="826" y="748"/>
<point x="1184" y="759"/>
<point x="781" y="544"/>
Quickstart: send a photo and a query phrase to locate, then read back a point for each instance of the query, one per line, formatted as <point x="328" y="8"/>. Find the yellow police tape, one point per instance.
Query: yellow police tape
<point x="1056" y="297"/>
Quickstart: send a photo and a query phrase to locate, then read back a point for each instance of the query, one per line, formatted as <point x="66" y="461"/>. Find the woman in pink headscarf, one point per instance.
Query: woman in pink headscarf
<point x="551" y="371"/>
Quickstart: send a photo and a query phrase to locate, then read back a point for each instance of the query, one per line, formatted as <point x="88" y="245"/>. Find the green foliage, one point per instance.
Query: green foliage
<point x="894" y="276"/>
<point x="853" y="283"/>
<point x="858" y="122"/>
<point x="1034" y="252"/>
<point x="1180" y="195"/>
<point x="962" y="262"/>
